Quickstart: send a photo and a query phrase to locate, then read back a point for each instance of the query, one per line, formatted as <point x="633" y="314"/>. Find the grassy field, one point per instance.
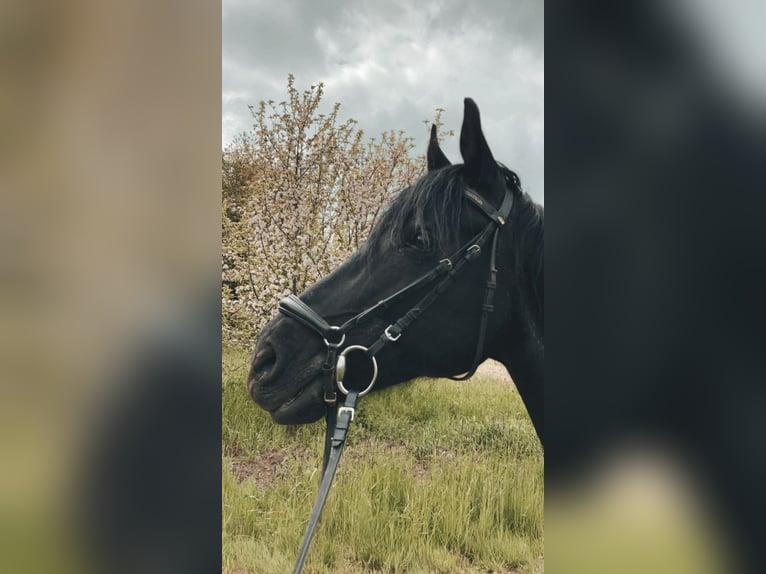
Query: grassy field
<point x="437" y="476"/>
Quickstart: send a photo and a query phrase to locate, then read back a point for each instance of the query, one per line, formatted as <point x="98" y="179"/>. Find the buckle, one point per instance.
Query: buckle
<point x="349" y="410"/>
<point x="473" y="251"/>
<point x="389" y="336"/>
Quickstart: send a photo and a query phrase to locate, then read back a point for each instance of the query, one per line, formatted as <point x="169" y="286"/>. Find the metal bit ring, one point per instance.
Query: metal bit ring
<point x="340" y="369"/>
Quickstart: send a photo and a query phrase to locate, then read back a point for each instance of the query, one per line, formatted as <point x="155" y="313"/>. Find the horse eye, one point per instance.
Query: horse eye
<point x="418" y="241"/>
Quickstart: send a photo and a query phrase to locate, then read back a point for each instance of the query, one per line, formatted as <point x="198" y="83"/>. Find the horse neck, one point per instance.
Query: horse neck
<point x="525" y="362"/>
<point x="521" y="347"/>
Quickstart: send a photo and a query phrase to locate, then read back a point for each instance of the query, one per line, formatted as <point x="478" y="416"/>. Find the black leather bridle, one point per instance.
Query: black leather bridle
<point x="334" y="366"/>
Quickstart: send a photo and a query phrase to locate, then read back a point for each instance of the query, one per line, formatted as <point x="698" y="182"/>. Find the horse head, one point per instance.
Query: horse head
<point x="450" y="214"/>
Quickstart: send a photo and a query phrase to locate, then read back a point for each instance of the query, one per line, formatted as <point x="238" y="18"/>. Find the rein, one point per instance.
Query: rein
<point x="334" y="366"/>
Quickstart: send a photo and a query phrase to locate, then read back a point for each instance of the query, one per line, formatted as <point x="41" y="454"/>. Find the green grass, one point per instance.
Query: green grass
<point x="437" y="477"/>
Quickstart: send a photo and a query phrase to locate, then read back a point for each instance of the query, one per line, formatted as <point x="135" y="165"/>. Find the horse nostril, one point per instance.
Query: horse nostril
<point x="263" y="363"/>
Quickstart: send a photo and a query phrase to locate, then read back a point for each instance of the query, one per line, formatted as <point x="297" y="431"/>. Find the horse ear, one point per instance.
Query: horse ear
<point x="435" y="155"/>
<point x="473" y="147"/>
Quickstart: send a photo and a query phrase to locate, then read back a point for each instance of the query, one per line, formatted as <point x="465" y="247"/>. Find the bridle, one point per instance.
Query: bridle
<point x="445" y="272"/>
<point x="441" y="278"/>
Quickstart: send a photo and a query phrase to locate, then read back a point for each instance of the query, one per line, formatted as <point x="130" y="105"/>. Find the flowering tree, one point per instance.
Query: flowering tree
<point x="301" y="191"/>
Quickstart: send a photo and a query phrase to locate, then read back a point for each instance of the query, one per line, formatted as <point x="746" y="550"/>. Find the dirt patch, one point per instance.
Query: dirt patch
<point x="267" y="467"/>
<point x="493" y="369"/>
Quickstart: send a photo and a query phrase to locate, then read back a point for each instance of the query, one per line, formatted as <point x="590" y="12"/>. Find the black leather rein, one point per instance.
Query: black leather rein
<point x="334" y="367"/>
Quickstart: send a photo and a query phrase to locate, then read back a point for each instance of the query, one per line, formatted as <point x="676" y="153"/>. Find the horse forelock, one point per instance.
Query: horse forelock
<point x="433" y="205"/>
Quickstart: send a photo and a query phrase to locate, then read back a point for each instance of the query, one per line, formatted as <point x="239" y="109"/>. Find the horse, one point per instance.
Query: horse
<point x="413" y="255"/>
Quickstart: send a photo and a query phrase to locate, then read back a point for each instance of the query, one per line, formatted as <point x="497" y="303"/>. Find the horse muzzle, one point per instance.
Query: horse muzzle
<point x="284" y="374"/>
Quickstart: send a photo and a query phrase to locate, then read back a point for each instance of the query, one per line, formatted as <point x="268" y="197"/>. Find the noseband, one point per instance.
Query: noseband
<point x="334" y="366"/>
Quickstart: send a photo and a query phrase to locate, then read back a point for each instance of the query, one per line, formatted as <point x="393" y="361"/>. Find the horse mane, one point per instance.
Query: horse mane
<point x="529" y="254"/>
<point x="527" y="224"/>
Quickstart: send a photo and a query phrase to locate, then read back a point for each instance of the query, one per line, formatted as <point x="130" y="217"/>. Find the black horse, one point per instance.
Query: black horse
<point x="426" y="223"/>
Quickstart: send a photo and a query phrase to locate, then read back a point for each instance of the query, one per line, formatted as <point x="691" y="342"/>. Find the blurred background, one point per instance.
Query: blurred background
<point x="655" y="272"/>
<point x="110" y="353"/>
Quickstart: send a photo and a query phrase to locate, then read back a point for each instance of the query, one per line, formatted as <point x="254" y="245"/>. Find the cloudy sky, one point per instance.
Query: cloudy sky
<point x="391" y="63"/>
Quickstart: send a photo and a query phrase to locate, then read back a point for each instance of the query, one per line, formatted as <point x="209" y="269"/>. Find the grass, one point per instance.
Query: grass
<point x="437" y="477"/>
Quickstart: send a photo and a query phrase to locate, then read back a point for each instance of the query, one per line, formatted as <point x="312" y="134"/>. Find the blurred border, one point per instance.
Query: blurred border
<point x="656" y="270"/>
<point x="110" y="286"/>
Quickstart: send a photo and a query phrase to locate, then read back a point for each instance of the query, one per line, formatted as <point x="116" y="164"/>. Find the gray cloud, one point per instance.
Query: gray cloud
<point x="391" y="63"/>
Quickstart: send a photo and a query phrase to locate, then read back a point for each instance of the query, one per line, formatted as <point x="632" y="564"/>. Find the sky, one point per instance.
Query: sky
<point x="391" y="63"/>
